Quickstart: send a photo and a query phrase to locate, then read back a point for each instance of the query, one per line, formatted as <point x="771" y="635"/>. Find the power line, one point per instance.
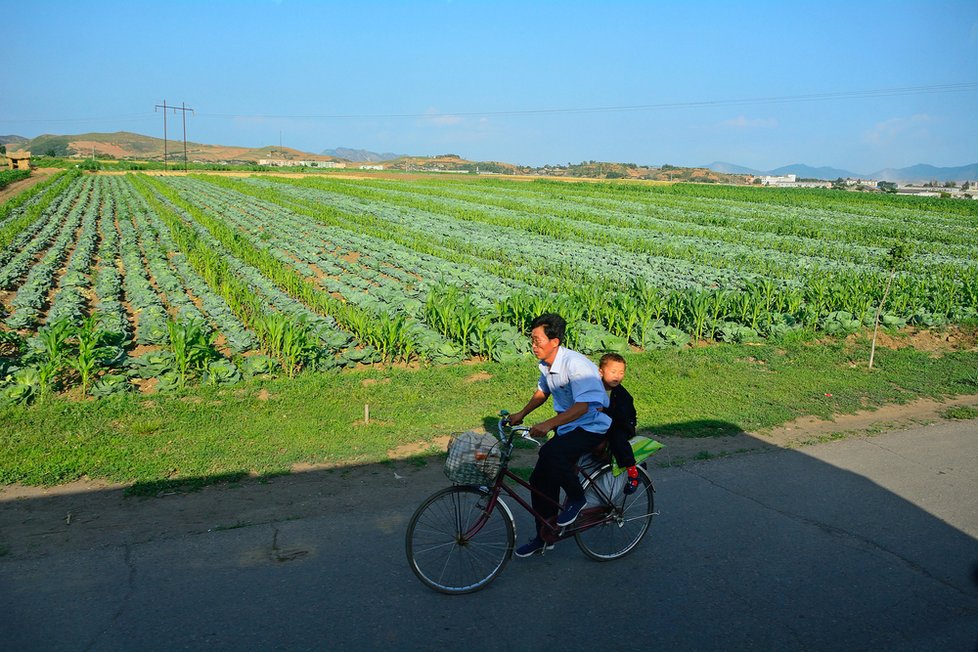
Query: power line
<point x="811" y="97"/>
<point x="963" y="87"/>
<point x="141" y="117"/>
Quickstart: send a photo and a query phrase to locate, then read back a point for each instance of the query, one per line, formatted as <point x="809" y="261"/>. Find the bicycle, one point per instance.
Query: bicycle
<point x="462" y="537"/>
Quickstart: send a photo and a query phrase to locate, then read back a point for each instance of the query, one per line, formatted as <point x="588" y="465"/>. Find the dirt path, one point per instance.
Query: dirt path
<point x="809" y="430"/>
<point x="17" y="187"/>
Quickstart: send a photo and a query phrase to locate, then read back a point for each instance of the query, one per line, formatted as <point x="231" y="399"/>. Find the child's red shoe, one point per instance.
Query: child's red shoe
<point x="632" y="485"/>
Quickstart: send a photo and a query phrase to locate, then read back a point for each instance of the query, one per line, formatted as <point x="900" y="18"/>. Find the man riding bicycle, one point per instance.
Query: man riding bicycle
<point x="575" y="385"/>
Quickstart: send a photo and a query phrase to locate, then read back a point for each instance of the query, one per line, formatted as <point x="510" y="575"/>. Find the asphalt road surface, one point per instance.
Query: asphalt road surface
<point x="869" y="543"/>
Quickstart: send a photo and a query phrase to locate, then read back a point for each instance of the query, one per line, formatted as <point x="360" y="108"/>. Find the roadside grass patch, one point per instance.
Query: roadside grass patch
<point x="961" y="412"/>
<point x="171" y="443"/>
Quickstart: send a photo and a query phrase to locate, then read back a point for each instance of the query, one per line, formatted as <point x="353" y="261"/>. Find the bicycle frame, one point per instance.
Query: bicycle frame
<point x="590" y="516"/>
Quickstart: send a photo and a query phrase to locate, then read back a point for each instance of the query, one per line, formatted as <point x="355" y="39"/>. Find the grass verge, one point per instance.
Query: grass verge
<point x="267" y="427"/>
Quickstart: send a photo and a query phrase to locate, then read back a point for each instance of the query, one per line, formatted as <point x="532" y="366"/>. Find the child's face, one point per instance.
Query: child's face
<point x="612" y="373"/>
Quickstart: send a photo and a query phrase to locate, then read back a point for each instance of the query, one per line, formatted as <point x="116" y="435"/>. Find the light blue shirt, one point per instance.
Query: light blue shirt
<point x="572" y="378"/>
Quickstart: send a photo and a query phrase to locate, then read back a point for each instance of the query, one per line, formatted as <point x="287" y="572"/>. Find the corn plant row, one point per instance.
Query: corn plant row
<point x="238" y="337"/>
<point x="299" y="245"/>
<point x="179" y="286"/>
<point x="377" y="279"/>
<point x="323" y="327"/>
<point x="465" y="322"/>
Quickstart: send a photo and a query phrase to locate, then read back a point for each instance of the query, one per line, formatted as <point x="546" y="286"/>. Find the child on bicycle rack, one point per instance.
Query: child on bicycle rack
<point x="621" y="409"/>
<point x="575" y="385"/>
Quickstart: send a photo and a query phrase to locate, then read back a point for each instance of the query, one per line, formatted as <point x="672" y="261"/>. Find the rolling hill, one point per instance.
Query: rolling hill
<point x="127" y="145"/>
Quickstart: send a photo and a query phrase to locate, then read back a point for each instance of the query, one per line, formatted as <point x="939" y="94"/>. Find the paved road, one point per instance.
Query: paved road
<point x="863" y="544"/>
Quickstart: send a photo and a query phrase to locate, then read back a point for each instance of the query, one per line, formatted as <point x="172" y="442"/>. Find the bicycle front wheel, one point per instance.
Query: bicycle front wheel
<point x="626" y="521"/>
<point x="448" y="549"/>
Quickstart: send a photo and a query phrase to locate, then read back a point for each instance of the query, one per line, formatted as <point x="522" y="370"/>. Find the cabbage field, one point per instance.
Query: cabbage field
<point x="112" y="282"/>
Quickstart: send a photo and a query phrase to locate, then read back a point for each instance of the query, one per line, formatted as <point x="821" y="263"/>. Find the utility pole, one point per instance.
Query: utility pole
<point x="164" y="132"/>
<point x="184" y="108"/>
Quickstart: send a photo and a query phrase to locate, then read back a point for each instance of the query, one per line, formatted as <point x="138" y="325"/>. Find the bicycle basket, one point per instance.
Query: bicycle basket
<point x="473" y="458"/>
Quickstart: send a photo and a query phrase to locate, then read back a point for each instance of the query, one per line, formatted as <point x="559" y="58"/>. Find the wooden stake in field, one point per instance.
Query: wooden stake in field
<point x="896" y="259"/>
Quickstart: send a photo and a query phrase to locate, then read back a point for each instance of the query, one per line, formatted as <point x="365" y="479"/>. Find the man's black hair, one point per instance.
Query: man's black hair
<point x="553" y="325"/>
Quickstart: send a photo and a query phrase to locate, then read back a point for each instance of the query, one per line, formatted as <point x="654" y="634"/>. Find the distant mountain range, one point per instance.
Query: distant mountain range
<point x="360" y="155"/>
<point x="915" y="173"/>
<point x="124" y="145"/>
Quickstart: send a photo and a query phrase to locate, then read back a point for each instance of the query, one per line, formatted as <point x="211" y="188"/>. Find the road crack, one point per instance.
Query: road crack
<point x="123" y="601"/>
<point x="282" y="555"/>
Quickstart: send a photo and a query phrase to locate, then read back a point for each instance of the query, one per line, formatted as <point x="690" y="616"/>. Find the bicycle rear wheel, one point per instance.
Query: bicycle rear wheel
<point x="627" y="520"/>
<point x="439" y="550"/>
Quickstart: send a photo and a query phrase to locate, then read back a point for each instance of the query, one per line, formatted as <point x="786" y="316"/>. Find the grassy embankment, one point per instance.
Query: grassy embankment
<point x="206" y="435"/>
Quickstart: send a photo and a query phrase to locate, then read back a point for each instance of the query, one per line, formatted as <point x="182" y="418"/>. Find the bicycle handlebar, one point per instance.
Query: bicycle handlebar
<point x="522" y="431"/>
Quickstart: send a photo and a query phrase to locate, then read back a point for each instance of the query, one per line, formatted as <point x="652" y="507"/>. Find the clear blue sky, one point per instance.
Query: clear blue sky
<point x="504" y="80"/>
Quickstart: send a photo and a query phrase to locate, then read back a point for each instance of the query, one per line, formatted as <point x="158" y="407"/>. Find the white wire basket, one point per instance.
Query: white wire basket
<point x="473" y="458"/>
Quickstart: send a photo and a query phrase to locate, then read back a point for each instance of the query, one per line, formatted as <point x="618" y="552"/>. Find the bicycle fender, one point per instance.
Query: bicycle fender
<point x="509" y="512"/>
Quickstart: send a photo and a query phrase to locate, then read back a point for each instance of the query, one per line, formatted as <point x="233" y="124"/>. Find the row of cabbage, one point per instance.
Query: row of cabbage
<point x="210" y="277"/>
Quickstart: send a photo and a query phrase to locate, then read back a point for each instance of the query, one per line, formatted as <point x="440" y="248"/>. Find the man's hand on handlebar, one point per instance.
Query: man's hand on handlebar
<point x="540" y="430"/>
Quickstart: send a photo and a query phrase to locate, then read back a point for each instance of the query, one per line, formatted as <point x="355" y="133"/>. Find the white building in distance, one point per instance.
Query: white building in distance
<point x="283" y="163"/>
